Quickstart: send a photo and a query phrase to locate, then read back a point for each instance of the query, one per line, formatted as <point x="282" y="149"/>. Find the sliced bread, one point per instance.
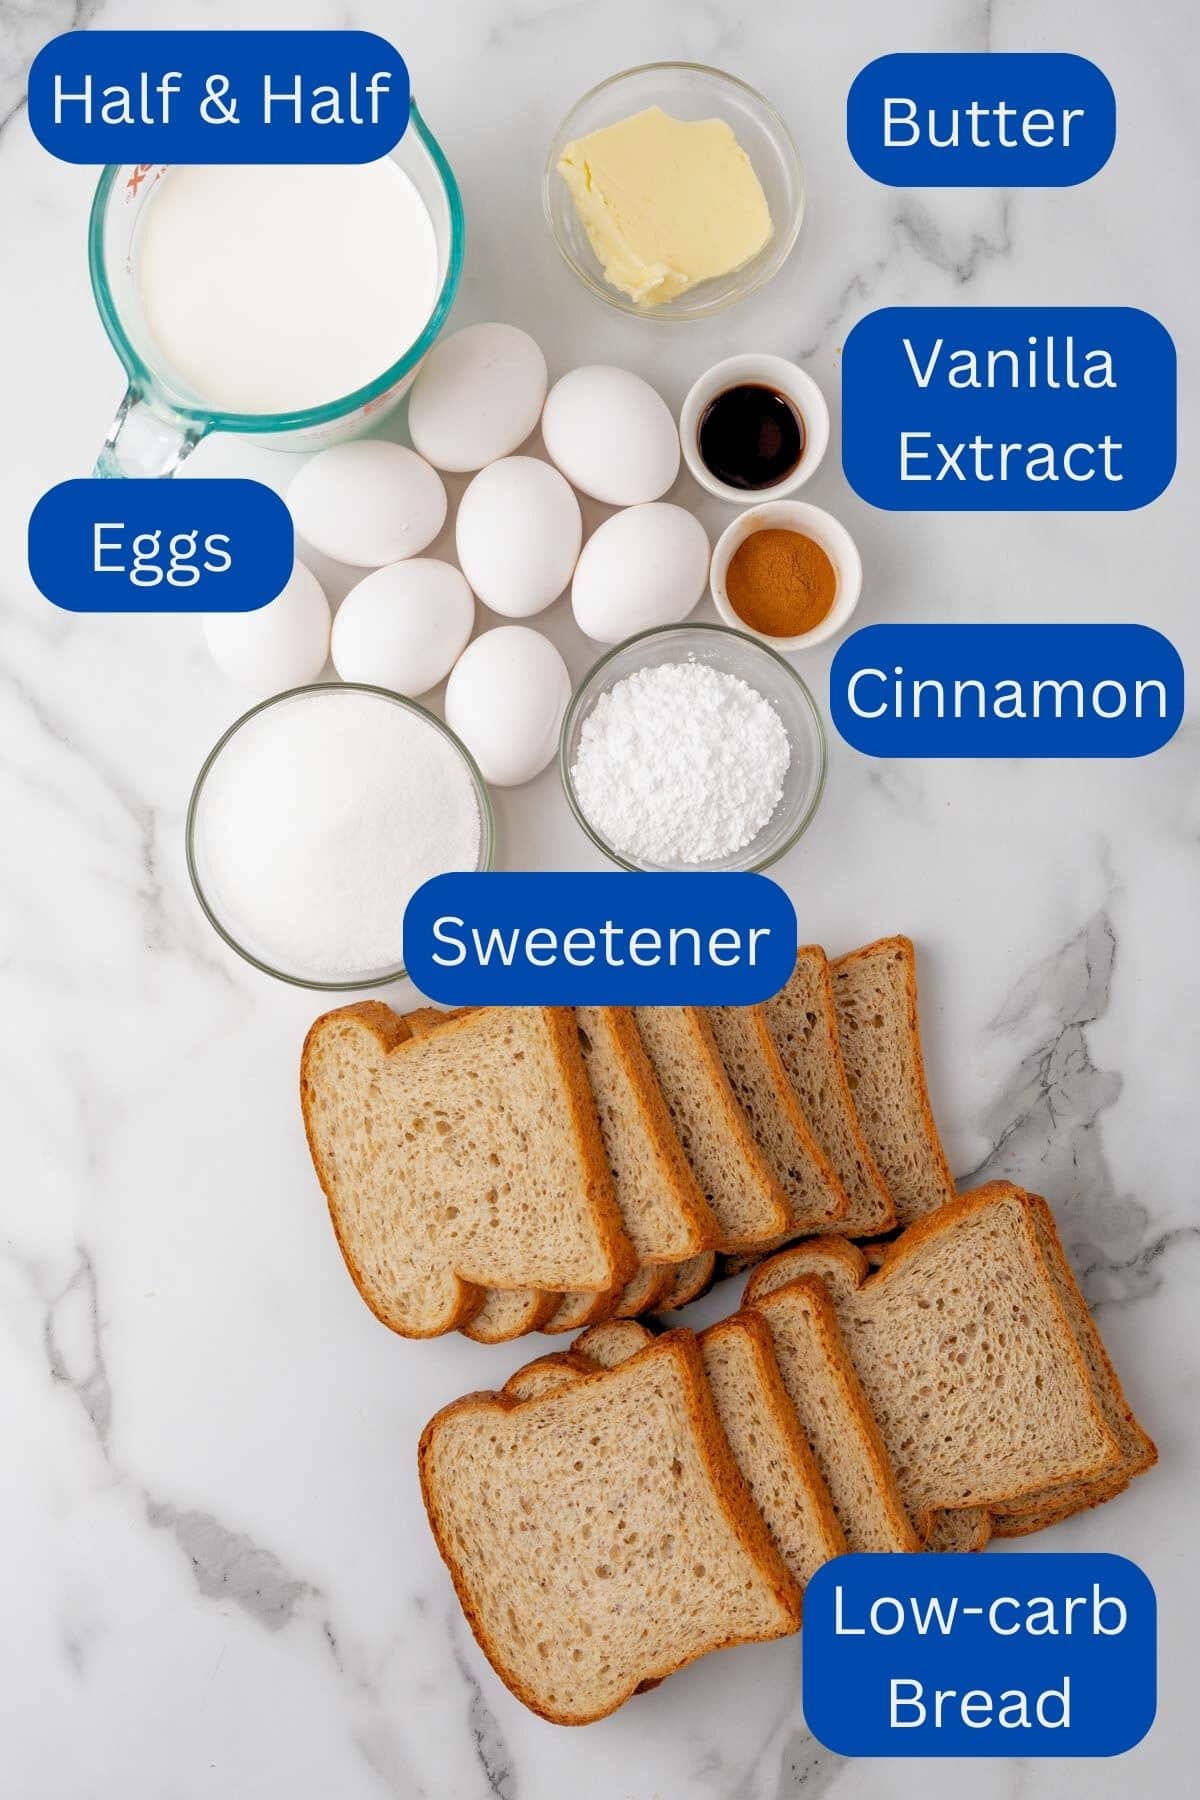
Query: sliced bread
<point x="1137" y="1452"/>
<point x="817" y="1200"/>
<point x="691" y="1279"/>
<point x="505" y="1313"/>
<point x="742" y="1190"/>
<point x="465" y="1158"/>
<point x="666" y="1214"/>
<point x="644" y="1293"/>
<point x="803" y="1023"/>
<point x="510" y="1313"/>
<point x="547" y="1375"/>
<point x="647" y="1291"/>
<point x="616" y="1089"/>
<point x="969" y="1528"/>
<point x="764" y="1433"/>
<point x="836" y="1418"/>
<point x="976" y="1361"/>
<point x="875" y="993"/>
<point x="659" y="1199"/>
<point x="612" y="1343"/>
<point x="601" y="1536"/>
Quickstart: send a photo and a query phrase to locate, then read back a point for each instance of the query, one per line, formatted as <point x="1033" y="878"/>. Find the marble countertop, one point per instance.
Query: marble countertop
<point x="218" y="1578"/>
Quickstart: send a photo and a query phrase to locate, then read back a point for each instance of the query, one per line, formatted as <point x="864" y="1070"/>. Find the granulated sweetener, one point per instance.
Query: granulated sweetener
<point x="319" y="819"/>
<point x="680" y="764"/>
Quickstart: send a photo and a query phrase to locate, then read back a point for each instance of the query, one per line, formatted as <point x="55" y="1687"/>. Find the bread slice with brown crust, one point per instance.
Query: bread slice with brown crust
<point x="547" y="1374"/>
<point x="979" y="1361"/>
<point x="613" y="1342"/>
<point x="802" y="1021"/>
<point x="646" y="1291"/>
<point x="601" y="1536"/>
<point x="691" y="1279"/>
<point x="743" y="1192"/>
<point x="758" y="1419"/>
<point x="661" y="1205"/>
<point x="968" y="1528"/>
<point x="1138" y="1453"/>
<point x="841" y="1268"/>
<point x="505" y="1313"/>
<point x="816" y="1198"/>
<point x="511" y="1313"/>
<point x="666" y="1215"/>
<point x="836" y="1417"/>
<point x="875" y="993"/>
<point x="760" y="1422"/>
<point x="465" y="1158"/>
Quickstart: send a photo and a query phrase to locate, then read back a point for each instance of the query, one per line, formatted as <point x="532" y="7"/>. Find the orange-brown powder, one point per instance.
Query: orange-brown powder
<point x="780" y="582"/>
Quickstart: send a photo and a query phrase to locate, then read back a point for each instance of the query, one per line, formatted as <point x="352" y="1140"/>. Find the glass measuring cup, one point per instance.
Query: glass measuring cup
<point x="158" y="424"/>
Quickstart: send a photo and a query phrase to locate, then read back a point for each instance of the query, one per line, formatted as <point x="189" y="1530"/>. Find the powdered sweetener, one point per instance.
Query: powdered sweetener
<point x="680" y="764"/>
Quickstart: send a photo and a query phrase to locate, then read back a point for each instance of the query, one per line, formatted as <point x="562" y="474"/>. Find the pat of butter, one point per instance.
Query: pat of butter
<point x="666" y="202"/>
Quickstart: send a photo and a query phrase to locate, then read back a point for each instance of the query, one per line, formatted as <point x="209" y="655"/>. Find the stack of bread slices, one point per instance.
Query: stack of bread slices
<point x="518" y="1169"/>
<point x="627" y="1505"/>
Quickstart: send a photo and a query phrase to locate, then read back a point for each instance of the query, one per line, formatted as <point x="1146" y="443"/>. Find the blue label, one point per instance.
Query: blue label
<point x="600" y="940"/>
<point x="1008" y="408"/>
<point x="1007" y="690"/>
<point x="161" y="546"/>
<point x="218" y="97"/>
<point x="993" y="120"/>
<point x="1015" y="1656"/>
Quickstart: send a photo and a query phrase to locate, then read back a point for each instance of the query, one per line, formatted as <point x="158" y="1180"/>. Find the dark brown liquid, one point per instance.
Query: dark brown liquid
<point x="750" y="437"/>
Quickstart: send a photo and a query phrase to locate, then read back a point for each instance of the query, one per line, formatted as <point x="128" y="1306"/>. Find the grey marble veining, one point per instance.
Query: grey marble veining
<point x="218" y="1577"/>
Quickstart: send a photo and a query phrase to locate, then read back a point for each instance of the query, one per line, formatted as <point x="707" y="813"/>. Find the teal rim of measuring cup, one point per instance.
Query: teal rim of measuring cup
<point x="144" y="379"/>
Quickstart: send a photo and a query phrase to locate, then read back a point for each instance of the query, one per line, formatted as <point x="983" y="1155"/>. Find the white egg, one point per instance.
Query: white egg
<point x="611" y="435"/>
<point x="368" y="503"/>
<point x="518" y="533"/>
<point x="283" y="644"/>
<point x="506" y="698"/>
<point x="477" y="397"/>
<point x="404" y="627"/>
<point x="645" y="566"/>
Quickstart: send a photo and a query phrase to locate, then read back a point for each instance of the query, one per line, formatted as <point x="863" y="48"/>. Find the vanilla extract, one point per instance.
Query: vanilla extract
<point x="1043" y="362"/>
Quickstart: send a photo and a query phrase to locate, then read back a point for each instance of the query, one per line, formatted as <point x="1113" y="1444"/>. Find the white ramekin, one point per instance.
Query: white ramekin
<point x="786" y="378"/>
<point x="824" y="529"/>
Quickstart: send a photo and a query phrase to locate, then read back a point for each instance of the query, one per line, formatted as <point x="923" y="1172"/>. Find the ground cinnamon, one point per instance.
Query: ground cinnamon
<point x="780" y="583"/>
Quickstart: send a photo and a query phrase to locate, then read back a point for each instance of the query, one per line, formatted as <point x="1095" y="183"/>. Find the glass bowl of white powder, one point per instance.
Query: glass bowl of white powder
<point x="693" y="747"/>
<point x="315" y="819"/>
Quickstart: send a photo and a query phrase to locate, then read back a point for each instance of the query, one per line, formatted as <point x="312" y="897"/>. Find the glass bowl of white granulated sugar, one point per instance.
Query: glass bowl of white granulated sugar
<point x="316" y="818"/>
<point x="693" y="747"/>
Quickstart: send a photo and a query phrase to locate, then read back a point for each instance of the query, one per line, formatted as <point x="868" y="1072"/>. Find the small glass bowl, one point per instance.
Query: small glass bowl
<point x="368" y="978"/>
<point x="686" y="91"/>
<point x="759" y="667"/>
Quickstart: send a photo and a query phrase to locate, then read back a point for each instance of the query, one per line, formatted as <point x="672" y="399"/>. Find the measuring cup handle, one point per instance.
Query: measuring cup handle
<point x="145" y="441"/>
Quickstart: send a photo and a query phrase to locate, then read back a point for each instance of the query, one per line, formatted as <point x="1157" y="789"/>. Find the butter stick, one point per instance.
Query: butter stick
<point x="666" y="202"/>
